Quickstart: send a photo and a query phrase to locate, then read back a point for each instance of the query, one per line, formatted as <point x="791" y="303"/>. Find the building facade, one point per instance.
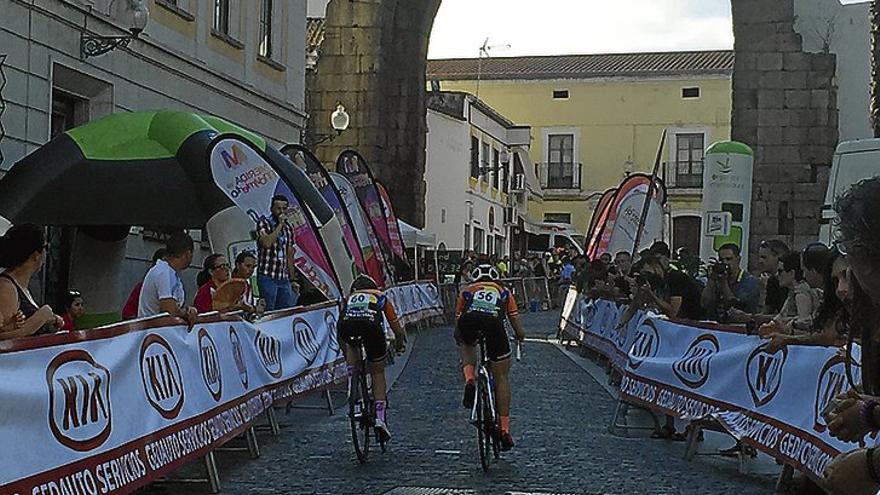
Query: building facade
<point x="477" y="186"/>
<point x="241" y="60"/>
<point x="597" y="118"/>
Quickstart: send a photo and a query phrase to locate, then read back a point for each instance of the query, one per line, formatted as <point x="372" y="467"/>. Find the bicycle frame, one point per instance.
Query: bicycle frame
<point x="484" y="379"/>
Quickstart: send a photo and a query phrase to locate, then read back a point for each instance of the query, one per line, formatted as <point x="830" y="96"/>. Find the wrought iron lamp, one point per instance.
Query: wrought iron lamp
<point x="339" y="121"/>
<point x="95" y="45"/>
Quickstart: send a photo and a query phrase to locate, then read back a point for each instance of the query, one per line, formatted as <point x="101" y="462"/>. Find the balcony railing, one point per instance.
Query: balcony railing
<point x="676" y="180"/>
<point x="559" y="175"/>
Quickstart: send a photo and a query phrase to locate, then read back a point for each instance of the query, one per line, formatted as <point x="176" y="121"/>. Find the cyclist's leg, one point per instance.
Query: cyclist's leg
<point x="374" y="344"/>
<point x="498" y="349"/>
<point x="465" y="338"/>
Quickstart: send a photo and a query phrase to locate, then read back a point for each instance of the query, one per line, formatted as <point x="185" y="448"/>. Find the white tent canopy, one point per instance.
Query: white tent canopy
<point x="416" y="237"/>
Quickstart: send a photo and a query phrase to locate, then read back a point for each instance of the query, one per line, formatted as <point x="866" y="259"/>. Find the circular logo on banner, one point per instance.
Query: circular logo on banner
<point x="645" y="345"/>
<point x="80" y="413"/>
<point x="161" y="376"/>
<point x="270" y="353"/>
<point x="832" y="382"/>
<point x="210" y="364"/>
<point x="305" y="341"/>
<point x="238" y="356"/>
<point x="330" y="323"/>
<point x="764" y="373"/>
<point x="693" y="367"/>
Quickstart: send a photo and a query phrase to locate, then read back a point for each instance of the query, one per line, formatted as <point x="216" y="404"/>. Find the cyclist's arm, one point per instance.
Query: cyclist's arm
<point x="394" y="321"/>
<point x="459" y="306"/>
<point x="513" y="316"/>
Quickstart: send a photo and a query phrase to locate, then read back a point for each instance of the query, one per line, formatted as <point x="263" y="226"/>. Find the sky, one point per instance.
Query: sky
<point x="555" y="27"/>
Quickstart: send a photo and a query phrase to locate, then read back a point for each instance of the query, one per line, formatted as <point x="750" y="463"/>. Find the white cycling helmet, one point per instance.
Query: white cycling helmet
<point x="484" y="273"/>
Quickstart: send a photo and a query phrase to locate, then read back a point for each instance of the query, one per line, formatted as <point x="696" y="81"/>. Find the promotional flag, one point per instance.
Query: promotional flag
<point x="354" y="168"/>
<point x="246" y="177"/>
<point x="635" y="184"/>
<point x="308" y="163"/>
<point x="625" y="234"/>
<point x="373" y="258"/>
<point x="598" y="219"/>
<point x="393" y="227"/>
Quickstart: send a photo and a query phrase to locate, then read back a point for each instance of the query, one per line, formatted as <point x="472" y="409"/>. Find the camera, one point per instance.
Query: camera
<point x="719" y="269"/>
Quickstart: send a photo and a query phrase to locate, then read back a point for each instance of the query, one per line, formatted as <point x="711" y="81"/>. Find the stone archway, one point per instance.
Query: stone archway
<point x="373" y="61"/>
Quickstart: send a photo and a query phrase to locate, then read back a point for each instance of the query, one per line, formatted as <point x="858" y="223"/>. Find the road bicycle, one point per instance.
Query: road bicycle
<point x="484" y="415"/>
<point x="362" y="407"/>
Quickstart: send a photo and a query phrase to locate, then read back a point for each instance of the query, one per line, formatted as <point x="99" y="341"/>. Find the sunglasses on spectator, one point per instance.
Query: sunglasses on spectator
<point x="222" y="265"/>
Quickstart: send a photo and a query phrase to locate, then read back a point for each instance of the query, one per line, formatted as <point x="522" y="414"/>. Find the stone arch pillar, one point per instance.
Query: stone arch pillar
<point x="373" y="61"/>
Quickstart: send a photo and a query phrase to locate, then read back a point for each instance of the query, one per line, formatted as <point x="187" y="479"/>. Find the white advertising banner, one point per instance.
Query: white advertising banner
<point x="107" y="411"/>
<point x="772" y="401"/>
<point x="415" y="301"/>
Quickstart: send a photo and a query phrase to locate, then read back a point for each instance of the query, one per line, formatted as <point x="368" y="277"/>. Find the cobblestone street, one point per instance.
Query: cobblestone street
<point x="559" y="419"/>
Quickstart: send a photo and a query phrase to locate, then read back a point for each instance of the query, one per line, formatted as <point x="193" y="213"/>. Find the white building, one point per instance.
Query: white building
<point x="479" y="178"/>
<point x="241" y="60"/>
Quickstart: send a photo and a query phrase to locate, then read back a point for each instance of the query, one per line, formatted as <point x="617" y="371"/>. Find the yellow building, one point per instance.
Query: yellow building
<point x="596" y="118"/>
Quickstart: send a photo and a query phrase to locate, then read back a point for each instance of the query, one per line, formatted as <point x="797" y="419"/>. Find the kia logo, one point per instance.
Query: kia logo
<point x="210" y="365"/>
<point x="330" y="323"/>
<point x="238" y="357"/>
<point x="80" y="413"/>
<point x="269" y="349"/>
<point x="832" y="382"/>
<point x="645" y="345"/>
<point x="764" y="373"/>
<point x="161" y="376"/>
<point x="693" y="367"/>
<point x="305" y="341"/>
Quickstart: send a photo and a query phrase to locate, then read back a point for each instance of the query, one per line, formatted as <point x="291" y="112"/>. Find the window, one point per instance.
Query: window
<point x="560" y="94"/>
<point x="221" y="16"/>
<point x="496" y="163"/>
<point x="499" y="246"/>
<point x="689" y="160"/>
<point x="478" y="240"/>
<point x="560" y="162"/>
<point x="484" y="162"/>
<point x="67" y="112"/>
<point x="443" y="215"/>
<point x="690" y="92"/>
<point x="557" y="217"/>
<point x="467" y="236"/>
<point x="475" y="157"/>
<point x="266" y="29"/>
<point x="505" y="175"/>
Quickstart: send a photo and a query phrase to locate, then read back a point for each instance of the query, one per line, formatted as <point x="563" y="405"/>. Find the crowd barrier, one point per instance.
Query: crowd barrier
<point x="704" y="371"/>
<point x="112" y="409"/>
<point x="531" y="294"/>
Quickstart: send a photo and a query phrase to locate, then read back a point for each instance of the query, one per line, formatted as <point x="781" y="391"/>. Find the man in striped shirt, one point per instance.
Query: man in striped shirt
<point x="275" y="246"/>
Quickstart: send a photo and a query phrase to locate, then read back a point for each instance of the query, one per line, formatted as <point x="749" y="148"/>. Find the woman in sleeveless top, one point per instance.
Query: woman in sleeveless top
<point x="22" y="252"/>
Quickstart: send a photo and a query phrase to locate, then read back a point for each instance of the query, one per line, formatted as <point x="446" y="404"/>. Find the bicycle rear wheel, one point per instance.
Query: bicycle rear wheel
<point x="360" y="413"/>
<point x="484" y="435"/>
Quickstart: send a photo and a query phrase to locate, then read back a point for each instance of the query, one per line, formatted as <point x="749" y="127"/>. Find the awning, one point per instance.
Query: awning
<point x="416" y="237"/>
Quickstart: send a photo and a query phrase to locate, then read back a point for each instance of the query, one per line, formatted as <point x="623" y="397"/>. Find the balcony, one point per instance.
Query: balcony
<point x="563" y="177"/>
<point x="684" y="175"/>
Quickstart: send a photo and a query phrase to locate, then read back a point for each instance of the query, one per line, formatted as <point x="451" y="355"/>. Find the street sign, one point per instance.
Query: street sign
<point x="718" y="223"/>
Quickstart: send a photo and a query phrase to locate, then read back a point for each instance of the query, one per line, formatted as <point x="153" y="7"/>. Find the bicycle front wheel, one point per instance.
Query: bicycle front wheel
<point x="484" y="438"/>
<point x="360" y="414"/>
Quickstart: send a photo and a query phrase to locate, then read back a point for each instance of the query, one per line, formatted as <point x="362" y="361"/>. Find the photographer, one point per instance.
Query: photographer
<point x="681" y="285"/>
<point x="729" y="286"/>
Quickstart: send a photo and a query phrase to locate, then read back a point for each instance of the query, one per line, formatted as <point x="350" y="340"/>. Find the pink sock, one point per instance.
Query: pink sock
<point x="380" y="410"/>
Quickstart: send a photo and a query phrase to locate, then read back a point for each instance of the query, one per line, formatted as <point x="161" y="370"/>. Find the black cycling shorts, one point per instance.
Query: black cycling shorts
<point x="468" y="331"/>
<point x="372" y="334"/>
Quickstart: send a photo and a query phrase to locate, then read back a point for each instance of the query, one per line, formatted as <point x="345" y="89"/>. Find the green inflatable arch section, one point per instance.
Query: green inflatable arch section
<point x="149" y="135"/>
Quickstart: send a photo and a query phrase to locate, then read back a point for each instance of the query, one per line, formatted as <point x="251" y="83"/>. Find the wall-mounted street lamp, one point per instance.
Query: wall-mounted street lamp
<point x="95" y="45"/>
<point x="339" y="121"/>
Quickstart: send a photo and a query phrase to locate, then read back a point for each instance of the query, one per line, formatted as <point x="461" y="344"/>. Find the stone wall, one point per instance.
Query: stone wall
<point x="373" y="61"/>
<point x="785" y="107"/>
